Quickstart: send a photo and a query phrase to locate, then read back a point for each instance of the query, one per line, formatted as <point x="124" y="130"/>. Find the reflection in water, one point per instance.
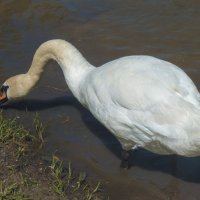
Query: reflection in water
<point x="102" y="30"/>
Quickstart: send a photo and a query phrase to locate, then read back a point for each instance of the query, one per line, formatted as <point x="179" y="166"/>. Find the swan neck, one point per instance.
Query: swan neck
<point x="74" y="66"/>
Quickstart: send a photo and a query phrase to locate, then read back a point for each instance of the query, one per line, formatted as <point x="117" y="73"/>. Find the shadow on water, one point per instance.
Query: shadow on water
<point x="180" y="167"/>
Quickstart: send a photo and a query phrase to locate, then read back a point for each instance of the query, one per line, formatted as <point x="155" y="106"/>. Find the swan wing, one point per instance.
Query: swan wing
<point x="154" y="96"/>
<point x="136" y="81"/>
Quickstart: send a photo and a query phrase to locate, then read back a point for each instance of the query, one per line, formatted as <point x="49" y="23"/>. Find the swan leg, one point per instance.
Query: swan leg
<point x="125" y="156"/>
<point x="127" y="146"/>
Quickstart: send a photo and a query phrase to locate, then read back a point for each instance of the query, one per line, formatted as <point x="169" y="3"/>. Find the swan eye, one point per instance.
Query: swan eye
<point x="3" y="94"/>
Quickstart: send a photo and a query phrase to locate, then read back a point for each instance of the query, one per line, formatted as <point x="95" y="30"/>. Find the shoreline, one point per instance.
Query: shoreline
<point x="26" y="175"/>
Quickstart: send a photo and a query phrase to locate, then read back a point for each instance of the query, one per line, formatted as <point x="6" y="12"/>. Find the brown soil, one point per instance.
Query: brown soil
<point x="30" y="177"/>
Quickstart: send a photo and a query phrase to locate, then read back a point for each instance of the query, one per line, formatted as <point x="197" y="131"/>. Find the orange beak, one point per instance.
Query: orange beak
<point x="3" y="94"/>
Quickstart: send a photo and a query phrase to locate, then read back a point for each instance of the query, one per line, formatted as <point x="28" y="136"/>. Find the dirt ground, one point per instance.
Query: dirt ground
<point x="24" y="174"/>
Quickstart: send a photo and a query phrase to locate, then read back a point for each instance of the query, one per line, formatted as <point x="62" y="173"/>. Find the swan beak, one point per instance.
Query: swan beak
<point x="3" y="94"/>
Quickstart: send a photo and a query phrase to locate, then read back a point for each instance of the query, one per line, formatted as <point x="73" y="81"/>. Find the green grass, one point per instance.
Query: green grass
<point x="12" y="131"/>
<point x="65" y="181"/>
<point x="57" y="172"/>
<point x="11" y="192"/>
<point x="25" y="171"/>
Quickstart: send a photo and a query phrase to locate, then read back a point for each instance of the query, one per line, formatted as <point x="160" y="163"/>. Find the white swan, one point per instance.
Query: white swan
<point x="142" y="100"/>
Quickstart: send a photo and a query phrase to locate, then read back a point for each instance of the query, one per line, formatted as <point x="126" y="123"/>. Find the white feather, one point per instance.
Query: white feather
<point x="142" y="100"/>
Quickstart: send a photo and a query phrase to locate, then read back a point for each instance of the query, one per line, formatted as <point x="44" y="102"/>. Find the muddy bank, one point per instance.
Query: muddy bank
<point x="25" y="174"/>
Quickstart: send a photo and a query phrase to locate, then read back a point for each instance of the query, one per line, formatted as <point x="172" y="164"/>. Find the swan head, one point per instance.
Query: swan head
<point x="15" y="87"/>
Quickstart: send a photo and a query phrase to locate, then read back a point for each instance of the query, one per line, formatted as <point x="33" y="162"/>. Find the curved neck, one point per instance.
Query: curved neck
<point x="74" y="66"/>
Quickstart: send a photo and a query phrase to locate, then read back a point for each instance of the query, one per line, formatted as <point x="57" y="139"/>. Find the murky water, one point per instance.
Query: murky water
<point x="102" y="30"/>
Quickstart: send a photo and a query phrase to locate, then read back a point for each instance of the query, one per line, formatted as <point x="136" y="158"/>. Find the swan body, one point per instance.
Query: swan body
<point x="143" y="101"/>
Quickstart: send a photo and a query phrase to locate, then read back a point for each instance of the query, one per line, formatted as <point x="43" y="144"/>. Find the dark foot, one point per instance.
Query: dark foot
<point x="125" y="159"/>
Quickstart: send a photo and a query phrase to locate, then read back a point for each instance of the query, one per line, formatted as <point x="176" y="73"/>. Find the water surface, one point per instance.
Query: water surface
<point x="102" y="30"/>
